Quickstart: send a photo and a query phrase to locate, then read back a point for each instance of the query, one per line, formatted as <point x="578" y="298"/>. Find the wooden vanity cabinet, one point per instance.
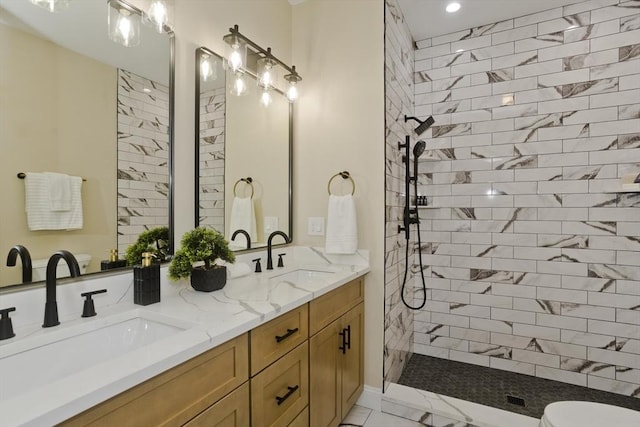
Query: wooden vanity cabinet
<point x="177" y="395"/>
<point x="336" y="354"/>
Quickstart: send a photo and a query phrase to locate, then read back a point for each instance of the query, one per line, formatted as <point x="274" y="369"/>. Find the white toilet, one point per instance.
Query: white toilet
<point x="40" y="267"/>
<point x="588" y="414"/>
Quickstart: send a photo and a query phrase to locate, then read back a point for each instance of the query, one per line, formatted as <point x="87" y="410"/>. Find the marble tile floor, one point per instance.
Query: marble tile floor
<point x="359" y="416"/>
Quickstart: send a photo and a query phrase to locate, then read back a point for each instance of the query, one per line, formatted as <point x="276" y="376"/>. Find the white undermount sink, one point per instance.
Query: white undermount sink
<point x="43" y="359"/>
<point x="302" y="276"/>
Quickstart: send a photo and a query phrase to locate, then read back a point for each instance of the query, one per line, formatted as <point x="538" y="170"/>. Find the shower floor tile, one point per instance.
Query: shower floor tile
<point x="490" y="387"/>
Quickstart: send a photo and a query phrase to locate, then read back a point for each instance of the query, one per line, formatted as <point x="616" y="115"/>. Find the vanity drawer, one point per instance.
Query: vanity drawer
<point x="177" y="395"/>
<point x="327" y="308"/>
<point x="281" y="391"/>
<point x="302" y="420"/>
<point x="274" y="339"/>
<point x="231" y="411"/>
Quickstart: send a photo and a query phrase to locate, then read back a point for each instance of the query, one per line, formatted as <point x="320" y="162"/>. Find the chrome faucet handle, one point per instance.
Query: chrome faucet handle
<point x="6" y="327"/>
<point x="89" y="309"/>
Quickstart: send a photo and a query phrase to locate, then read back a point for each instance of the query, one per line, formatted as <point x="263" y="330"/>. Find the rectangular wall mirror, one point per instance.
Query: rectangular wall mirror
<point x="74" y="102"/>
<point x="243" y="156"/>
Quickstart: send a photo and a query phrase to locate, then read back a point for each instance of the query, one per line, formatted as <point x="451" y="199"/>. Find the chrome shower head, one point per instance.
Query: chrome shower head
<point x="423" y="126"/>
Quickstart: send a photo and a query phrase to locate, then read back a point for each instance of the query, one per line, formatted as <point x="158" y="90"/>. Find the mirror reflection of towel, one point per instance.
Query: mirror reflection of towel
<point x="342" y="228"/>
<point x="59" y="191"/>
<point x="243" y="216"/>
<point x="40" y="215"/>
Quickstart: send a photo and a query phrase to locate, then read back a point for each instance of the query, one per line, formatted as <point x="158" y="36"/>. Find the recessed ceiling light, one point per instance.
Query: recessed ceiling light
<point x="453" y="7"/>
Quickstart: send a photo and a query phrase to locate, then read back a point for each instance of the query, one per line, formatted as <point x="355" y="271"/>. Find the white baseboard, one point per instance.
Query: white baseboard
<point x="371" y="398"/>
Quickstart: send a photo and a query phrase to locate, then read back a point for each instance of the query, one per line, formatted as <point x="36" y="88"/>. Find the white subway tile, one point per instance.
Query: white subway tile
<point x="535" y="253"/>
<point x="587" y="5"/>
<point x="512" y="366"/>
<point x="472" y="43"/>
<point x="534" y="18"/>
<point x="451" y="37"/>
<point x="624" y="68"/>
<point x="431" y="52"/>
<point x="563" y="349"/>
<point x="561" y="24"/>
<point x="567" y="49"/>
<point x="563" y="214"/>
<point x="628" y="316"/>
<point x="559" y="187"/>
<point x="513" y="315"/>
<point x="614" y="386"/>
<point x="564" y="77"/>
<point x="629" y="82"/>
<point x="518" y="85"/>
<point x="618" y="358"/>
<point x="471" y="67"/>
<point x="491" y="325"/>
<point x="493" y="101"/>
<point x="561" y="375"/>
<point x="590" y="31"/>
<point x="493" y="51"/>
<point x="536" y="43"/>
<point x="614" y="99"/>
<point x="475" y="359"/>
<point x="471" y="92"/>
<point x="614" y="156"/>
<point x="614" y="300"/>
<point x="556" y="267"/>
<point x="533" y="331"/>
<point x="569" y="104"/>
<point x="536" y="69"/>
<point x="589" y="312"/>
<point x="603" y="57"/>
<point x="590" y="116"/>
<point x="587" y="339"/>
<point x="566" y="159"/>
<point x="612" y="328"/>
<point x="518" y="33"/>
<point x="538" y="174"/>
<point x="615" y="40"/>
<point x="516" y="291"/>
<point x="541" y="94"/>
<point x="562" y="295"/>
<point x="518" y="59"/>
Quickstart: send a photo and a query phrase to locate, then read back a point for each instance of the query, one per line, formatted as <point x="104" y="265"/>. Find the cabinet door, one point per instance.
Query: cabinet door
<point x="352" y="362"/>
<point x="324" y="377"/>
<point x="231" y="411"/>
<point x="281" y="391"/>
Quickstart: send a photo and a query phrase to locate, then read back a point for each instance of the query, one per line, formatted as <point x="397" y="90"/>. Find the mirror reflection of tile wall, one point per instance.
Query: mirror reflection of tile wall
<point x="212" y="145"/>
<point x="143" y="152"/>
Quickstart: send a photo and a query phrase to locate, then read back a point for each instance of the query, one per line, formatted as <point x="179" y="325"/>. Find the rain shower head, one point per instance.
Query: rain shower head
<point x="418" y="149"/>
<point x="423" y="126"/>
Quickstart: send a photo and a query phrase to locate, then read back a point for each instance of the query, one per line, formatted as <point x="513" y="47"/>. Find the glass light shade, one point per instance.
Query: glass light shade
<point x="292" y="92"/>
<point x="52" y="6"/>
<point x="266" y="73"/>
<point x="208" y="69"/>
<point x="158" y="14"/>
<point x="237" y="52"/>
<point x="124" y="25"/>
<point x="237" y="83"/>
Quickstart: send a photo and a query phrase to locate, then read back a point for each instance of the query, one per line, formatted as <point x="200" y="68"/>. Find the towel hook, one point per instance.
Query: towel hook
<point x="343" y="175"/>
<point x="248" y="180"/>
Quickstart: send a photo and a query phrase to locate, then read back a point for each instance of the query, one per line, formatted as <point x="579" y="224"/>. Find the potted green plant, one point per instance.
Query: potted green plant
<point x="199" y="251"/>
<point x="154" y="240"/>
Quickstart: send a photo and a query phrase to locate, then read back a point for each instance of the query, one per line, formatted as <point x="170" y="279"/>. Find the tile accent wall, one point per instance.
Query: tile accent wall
<point x="143" y="153"/>
<point x="534" y="255"/>
<point x="212" y="121"/>
<point x="398" y="322"/>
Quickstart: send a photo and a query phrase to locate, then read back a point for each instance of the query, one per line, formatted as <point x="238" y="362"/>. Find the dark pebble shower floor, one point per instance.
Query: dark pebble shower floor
<point x="491" y="387"/>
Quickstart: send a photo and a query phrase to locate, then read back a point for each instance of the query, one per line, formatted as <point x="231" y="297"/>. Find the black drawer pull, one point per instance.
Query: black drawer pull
<point x="343" y="347"/>
<point x="290" y="332"/>
<point x="280" y="400"/>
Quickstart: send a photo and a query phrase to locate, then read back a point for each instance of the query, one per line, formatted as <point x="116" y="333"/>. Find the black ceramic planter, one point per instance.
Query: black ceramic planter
<point x="209" y="280"/>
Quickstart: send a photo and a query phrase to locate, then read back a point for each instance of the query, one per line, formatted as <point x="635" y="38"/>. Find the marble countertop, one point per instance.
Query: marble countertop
<point x="207" y="320"/>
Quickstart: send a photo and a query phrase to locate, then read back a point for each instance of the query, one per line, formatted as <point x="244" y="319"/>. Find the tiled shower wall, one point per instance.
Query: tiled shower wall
<point x="212" y="121"/>
<point x="143" y="153"/>
<point x="398" y="322"/>
<point x="534" y="257"/>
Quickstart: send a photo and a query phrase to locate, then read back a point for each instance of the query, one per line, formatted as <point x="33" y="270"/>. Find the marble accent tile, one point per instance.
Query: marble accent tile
<point x="613" y="12"/>
<point x="603" y="57"/>
<point x="566" y="22"/>
<point x="591" y="31"/>
<point x="616" y="69"/>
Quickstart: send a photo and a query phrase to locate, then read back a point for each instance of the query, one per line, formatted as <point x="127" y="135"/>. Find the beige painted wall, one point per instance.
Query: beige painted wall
<point x="52" y="115"/>
<point x="339" y="125"/>
<point x="338" y="48"/>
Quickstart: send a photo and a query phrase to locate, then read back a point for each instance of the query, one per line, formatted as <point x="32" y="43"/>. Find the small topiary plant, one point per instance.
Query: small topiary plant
<point x="154" y="240"/>
<point x="199" y="245"/>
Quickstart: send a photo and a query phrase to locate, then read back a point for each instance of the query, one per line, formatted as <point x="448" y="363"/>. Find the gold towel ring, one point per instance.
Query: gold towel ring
<point x="248" y="180"/>
<point x="344" y="175"/>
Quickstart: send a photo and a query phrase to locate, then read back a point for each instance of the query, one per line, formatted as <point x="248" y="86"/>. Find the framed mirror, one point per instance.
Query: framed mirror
<point x="243" y="157"/>
<point x="74" y="102"/>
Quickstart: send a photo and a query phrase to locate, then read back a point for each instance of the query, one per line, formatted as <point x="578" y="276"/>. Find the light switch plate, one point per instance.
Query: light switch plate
<point x="315" y="226"/>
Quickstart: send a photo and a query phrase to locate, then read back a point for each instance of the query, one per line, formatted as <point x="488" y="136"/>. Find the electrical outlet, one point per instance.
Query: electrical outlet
<point x="315" y="226"/>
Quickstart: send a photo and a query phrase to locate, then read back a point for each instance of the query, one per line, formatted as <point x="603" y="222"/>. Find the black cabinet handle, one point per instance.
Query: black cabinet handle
<point x="348" y="337"/>
<point x="280" y="400"/>
<point x="343" y="347"/>
<point x="290" y="332"/>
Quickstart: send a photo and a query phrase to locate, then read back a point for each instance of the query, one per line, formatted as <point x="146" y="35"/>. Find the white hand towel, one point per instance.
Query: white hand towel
<point x="59" y="191"/>
<point x="243" y="216"/>
<point x="38" y="207"/>
<point x="342" y="228"/>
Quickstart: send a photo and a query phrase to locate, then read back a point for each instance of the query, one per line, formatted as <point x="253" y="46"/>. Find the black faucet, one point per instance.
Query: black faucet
<point x="271" y="236"/>
<point x="241" y="231"/>
<point x="51" y="305"/>
<point x="25" y="257"/>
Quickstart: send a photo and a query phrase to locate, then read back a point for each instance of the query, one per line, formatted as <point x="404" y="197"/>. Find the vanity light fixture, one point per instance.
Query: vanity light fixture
<point x="52" y="6"/>
<point x="157" y="15"/>
<point x="452" y="7"/>
<point x="237" y="84"/>
<point x="265" y="67"/>
<point x="293" y="79"/>
<point x="124" y="23"/>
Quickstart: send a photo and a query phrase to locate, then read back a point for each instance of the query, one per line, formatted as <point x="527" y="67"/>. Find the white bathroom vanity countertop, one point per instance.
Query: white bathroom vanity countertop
<point x="205" y="320"/>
